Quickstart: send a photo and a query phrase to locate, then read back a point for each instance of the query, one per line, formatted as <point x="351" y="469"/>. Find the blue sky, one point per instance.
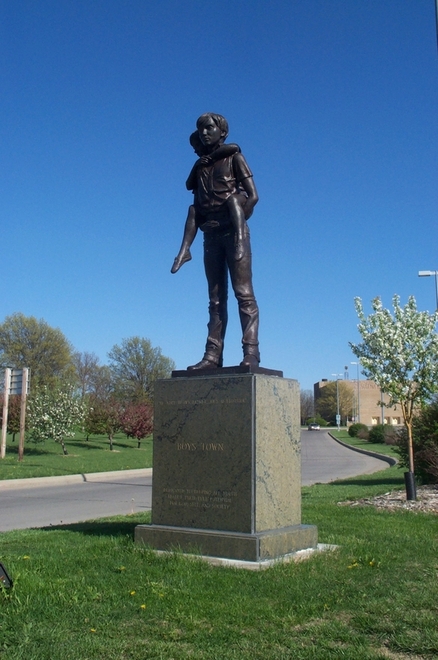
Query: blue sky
<point x="335" y="106"/>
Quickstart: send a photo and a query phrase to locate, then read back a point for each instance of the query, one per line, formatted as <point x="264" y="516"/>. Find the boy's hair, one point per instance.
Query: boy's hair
<point x="220" y="121"/>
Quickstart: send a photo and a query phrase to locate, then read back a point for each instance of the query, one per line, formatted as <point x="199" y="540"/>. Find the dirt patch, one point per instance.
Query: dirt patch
<point x="427" y="500"/>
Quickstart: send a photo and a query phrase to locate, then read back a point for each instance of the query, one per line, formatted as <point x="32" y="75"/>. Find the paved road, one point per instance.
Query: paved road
<point x="73" y="499"/>
<point x="324" y="460"/>
<point x="45" y="505"/>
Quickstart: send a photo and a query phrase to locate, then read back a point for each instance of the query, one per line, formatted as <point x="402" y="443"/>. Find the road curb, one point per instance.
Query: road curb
<point x="384" y="457"/>
<point x="65" y="480"/>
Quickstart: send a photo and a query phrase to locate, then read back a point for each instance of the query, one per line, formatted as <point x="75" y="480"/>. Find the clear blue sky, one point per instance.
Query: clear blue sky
<point x="335" y="106"/>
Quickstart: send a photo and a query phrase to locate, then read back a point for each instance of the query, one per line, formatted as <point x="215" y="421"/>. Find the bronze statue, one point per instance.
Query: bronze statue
<point x="224" y="199"/>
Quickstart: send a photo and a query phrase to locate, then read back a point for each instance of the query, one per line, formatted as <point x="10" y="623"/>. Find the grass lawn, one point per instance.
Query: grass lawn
<point x="86" y="592"/>
<point x="47" y="460"/>
<point x="379" y="448"/>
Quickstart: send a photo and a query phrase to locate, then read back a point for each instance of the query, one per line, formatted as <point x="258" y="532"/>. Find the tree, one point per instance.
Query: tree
<point x="327" y="403"/>
<point x="14" y="414"/>
<point x="104" y="408"/>
<point x="52" y="414"/>
<point x="103" y="417"/>
<point x="135" y="365"/>
<point x="28" y="342"/>
<point x="399" y="352"/>
<point x="102" y="384"/>
<point x="136" y="420"/>
<point x="86" y="367"/>
<point x="307" y="405"/>
<point x="425" y="438"/>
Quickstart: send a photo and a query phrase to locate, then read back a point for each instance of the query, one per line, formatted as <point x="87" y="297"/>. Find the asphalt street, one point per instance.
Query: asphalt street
<point x="324" y="460"/>
<point x="66" y="500"/>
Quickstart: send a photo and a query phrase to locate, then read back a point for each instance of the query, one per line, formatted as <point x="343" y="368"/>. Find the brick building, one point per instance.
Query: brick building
<point x="366" y="407"/>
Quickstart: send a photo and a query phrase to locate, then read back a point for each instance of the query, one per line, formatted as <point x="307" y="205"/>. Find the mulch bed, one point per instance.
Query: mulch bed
<point x="427" y="500"/>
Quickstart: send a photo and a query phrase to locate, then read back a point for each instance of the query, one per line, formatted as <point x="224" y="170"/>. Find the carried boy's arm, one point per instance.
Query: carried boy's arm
<point x="223" y="151"/>
<point x="250" y="189"/>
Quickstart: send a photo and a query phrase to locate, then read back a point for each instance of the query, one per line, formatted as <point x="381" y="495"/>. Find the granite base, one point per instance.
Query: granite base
<point x="227" y="467"/>
<point x="246" y="547"/>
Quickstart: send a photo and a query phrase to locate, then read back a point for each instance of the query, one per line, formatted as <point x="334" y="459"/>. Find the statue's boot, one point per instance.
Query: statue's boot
<point x="250" y="361"/>
<point x="205" y="363"/>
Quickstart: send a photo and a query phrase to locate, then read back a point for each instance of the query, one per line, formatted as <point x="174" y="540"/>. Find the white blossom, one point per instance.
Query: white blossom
<point x="399" y="352"/>
<point x="52" y="415"/>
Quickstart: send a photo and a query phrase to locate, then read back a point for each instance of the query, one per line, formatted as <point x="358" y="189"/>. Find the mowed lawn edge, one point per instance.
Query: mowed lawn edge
<point x="84" y="456"/>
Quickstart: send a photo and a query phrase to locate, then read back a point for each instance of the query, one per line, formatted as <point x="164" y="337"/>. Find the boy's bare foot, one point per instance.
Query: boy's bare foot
<point x="180" y="260"/>
<point x="240" y="250"/>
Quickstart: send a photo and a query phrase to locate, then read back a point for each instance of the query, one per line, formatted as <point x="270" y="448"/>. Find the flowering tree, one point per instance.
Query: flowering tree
<point x="399" y="352"/>
<point x="52" y="414"/>
<point x="136" y="420"/>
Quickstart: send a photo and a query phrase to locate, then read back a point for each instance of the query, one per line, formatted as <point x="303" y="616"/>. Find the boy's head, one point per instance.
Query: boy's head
<point x="220" y="122"/>
<point x="196" y="143"/>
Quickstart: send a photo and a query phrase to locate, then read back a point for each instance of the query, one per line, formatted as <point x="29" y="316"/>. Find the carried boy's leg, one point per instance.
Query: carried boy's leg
<point x="190" y="230"/>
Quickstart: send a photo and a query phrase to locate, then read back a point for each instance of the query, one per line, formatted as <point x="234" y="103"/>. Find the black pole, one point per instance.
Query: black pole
<point x="5" y="580"/>
<point x="411" y="490"/>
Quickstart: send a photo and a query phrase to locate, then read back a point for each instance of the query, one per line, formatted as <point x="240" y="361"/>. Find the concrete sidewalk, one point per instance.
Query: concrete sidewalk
<point x="35" y="482"/>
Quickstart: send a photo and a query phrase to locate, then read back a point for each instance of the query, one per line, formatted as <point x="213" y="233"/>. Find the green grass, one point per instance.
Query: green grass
<point x="94" y="455"/>
<point x="87" y="592"/>
<point x="380" y="448"/>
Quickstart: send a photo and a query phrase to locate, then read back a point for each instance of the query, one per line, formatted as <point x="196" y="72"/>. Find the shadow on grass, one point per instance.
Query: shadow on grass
<point x="29" y="450"/>
<point x="390" y="481"/>
<point x="100" y="527"/>
<point x="83" y="444"/>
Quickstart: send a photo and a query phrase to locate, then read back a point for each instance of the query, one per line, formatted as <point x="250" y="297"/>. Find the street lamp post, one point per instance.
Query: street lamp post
<point x="429" y="273"/>
<point x="338" y="416"/>
<point x="358" y="392"/>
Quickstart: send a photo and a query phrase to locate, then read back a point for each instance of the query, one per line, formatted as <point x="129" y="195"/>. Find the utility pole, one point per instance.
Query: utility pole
<point x="338" y="416"/>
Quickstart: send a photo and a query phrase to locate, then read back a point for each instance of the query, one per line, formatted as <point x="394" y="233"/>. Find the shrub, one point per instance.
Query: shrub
<point x="377" y="434"/>
<point x="355" y="428"/>
<point x="383" y="434"/>
<point x="391" y="435"/>
<point x="363" y="434"/>
<point x="425" y="445"/>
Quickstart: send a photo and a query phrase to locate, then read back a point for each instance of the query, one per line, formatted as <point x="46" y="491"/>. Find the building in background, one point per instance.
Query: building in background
<point x="367" y="407"/>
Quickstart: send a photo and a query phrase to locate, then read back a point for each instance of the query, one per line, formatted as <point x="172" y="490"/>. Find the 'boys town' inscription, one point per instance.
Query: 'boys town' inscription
<point x="200" y="446"/>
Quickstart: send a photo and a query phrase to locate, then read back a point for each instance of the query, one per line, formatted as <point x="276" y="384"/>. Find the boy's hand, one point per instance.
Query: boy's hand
<point x="205" y="160"/>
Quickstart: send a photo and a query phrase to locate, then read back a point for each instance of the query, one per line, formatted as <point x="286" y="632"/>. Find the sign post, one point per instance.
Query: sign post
<point x="16" y="382"/>
<point x="5" y="411"/>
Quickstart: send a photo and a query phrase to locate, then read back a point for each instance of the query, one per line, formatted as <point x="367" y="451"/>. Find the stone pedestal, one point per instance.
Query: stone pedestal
<point x="227" y="467"/>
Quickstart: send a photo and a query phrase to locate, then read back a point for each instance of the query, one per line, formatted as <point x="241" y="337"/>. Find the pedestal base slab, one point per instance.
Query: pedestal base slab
<point x="270" y="544"/>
